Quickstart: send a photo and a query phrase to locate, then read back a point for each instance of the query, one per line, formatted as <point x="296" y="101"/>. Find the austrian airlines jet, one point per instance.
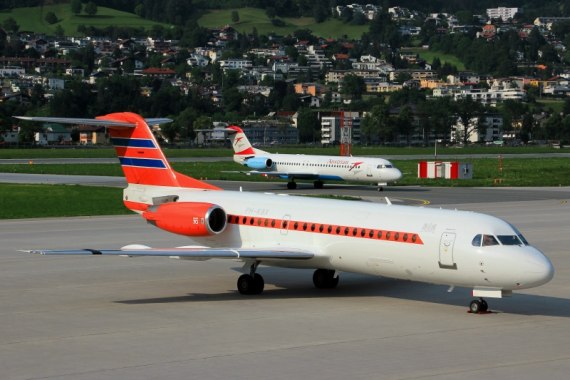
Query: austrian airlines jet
<point x="317" y="168"/>
<point x="436" y="246"/>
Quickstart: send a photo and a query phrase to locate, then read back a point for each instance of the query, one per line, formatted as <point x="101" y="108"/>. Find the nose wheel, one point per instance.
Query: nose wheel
<point x="478" y="306"/>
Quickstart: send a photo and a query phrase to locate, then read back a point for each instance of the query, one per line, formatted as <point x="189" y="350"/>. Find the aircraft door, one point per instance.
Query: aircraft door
<point x="446" y="251"/>
<point x="368" y="170"/>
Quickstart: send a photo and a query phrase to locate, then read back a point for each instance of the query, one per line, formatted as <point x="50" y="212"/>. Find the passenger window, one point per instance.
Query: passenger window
<point x="476" y="242"/>
<point x="489" y="240"/>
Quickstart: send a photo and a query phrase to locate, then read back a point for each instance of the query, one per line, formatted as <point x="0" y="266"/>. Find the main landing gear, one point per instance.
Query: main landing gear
<point x="292" y="185"/>
<point x="325" y="279"/>
<point x="318" y="184"/>
<point x="478" y="306"/>
<point x="253" y="283"/>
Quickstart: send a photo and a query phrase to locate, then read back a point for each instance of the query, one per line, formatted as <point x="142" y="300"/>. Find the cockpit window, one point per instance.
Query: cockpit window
<point x="510" y="240"/>
<point x="489" y="240"/>
<point x="387" y="166"/>
<point x="522" y="239"/>
<point x="476" y="241"/>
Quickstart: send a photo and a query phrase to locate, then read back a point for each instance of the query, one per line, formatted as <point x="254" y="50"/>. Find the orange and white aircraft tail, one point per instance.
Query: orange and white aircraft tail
<point x="141" y="158"/>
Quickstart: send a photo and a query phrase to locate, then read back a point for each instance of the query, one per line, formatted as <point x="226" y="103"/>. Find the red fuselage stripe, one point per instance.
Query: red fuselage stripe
<point x="327" y="229"/>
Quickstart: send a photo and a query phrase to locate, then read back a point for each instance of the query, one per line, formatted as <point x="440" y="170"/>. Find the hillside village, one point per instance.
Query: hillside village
<point x="287" y="89"/>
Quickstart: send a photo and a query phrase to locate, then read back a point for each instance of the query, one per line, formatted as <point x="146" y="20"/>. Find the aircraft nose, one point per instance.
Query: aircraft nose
<point x="539" y="270"/>
<point x="396" y="174"/>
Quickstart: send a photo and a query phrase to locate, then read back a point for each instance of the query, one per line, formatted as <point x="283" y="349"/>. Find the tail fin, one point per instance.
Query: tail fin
<point x="141" y="158"/>
<point x="240" y="143"/>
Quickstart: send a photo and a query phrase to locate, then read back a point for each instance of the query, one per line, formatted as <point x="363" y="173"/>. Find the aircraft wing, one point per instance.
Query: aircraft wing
<point x="197" y="253"/>
<point x="285" y="175"/>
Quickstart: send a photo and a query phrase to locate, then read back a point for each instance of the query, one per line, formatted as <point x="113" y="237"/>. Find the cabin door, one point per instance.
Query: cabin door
<point x="446" y="251"/>
<point x="368" y="170"/>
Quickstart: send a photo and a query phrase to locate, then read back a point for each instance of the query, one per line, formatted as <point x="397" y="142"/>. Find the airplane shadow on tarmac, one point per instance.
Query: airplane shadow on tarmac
<point x="281" y="286"/>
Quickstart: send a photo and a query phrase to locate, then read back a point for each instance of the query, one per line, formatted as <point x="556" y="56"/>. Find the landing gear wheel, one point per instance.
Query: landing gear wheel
<point x="248" y="284"/>
<point x="478" y="306"/>
<point x="325" y="279"/>
<point x="380" y="188"/>
<point x="291" y="185"/>
<point x="318" y="184"/>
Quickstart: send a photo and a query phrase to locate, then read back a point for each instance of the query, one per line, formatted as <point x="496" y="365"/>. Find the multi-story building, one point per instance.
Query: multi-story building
<point x="269" y="132"/>
<point x="334" y="124"/>
<point x="487" y="128"/>
<point x="236" y="64"/>
<point x="503" y="13"/>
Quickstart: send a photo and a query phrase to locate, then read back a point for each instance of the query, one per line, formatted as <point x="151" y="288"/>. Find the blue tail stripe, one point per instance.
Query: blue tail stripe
<point x="135" y="143"/>
<point x="143" y="162"/>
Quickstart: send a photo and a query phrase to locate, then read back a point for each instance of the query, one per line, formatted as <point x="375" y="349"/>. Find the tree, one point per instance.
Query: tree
<point x="11" y="25"/>
<point x="308" y="125"/>
<point x="139" y="10"/>
<point x="353" y="86"/>
<point x="59" y="31"/>
<point x="467" y="111"/>
<point x="377" y="126"/>
<point x="91" y="8"/>
<point x="235" y="17"/>
<point x="76" y="6"/>
<point x="51" y="18"/>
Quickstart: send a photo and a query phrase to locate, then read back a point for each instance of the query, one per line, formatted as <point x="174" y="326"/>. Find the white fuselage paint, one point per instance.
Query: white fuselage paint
<point x="358" y="169"/>
<point x="446" y="255"/>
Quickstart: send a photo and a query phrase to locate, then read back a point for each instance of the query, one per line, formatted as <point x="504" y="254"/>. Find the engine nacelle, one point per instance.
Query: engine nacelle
<point x="188" y="218"/>
<point x="259" y="163"/>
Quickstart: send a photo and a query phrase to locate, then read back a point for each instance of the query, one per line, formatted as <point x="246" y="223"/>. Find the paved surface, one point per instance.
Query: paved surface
<point x="154" y="318"/>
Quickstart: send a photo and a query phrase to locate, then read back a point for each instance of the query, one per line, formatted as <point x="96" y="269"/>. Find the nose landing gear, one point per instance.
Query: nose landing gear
<point x="479" y="306"/>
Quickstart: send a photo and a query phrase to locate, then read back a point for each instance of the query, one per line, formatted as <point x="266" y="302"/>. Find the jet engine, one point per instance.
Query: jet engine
<point x="188" y="218"/>
<point x="259" y="163"/>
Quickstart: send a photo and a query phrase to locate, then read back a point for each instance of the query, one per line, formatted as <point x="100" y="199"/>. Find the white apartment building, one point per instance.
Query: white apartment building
<point x="502" y="13"/>
<point x="492" y="96"/>
<point x="236" y="64"/>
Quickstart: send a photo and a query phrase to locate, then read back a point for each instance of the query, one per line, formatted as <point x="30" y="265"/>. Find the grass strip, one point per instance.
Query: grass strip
<point x="486" y="172"/>
<point x="41" y="201"/>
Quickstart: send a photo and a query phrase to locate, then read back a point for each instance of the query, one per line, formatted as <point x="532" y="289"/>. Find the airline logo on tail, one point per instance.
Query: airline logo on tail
<point x="240" y="142"/>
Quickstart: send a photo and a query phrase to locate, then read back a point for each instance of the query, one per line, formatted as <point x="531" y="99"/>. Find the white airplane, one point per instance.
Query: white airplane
<point x="311" y="167"/>
<point x="453" y="248"/>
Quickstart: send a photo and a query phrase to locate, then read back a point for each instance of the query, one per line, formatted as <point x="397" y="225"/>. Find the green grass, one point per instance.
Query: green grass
<point x="40" y="201"/>
<point x="556" y="106"/>
<point x="516" y="172"/>
<point x="33" y="19"/>
<point x="429" y="55"/>
<point x="255" y="17"/>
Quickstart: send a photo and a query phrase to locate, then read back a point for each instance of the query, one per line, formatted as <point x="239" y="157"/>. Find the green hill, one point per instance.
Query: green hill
<point x="255" y="17"/>
<point x="33" y="19"/>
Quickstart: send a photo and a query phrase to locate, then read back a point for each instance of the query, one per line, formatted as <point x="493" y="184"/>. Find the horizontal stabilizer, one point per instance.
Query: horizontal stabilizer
<point x="95" y="122"/>
<point x="194" y="253"/>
